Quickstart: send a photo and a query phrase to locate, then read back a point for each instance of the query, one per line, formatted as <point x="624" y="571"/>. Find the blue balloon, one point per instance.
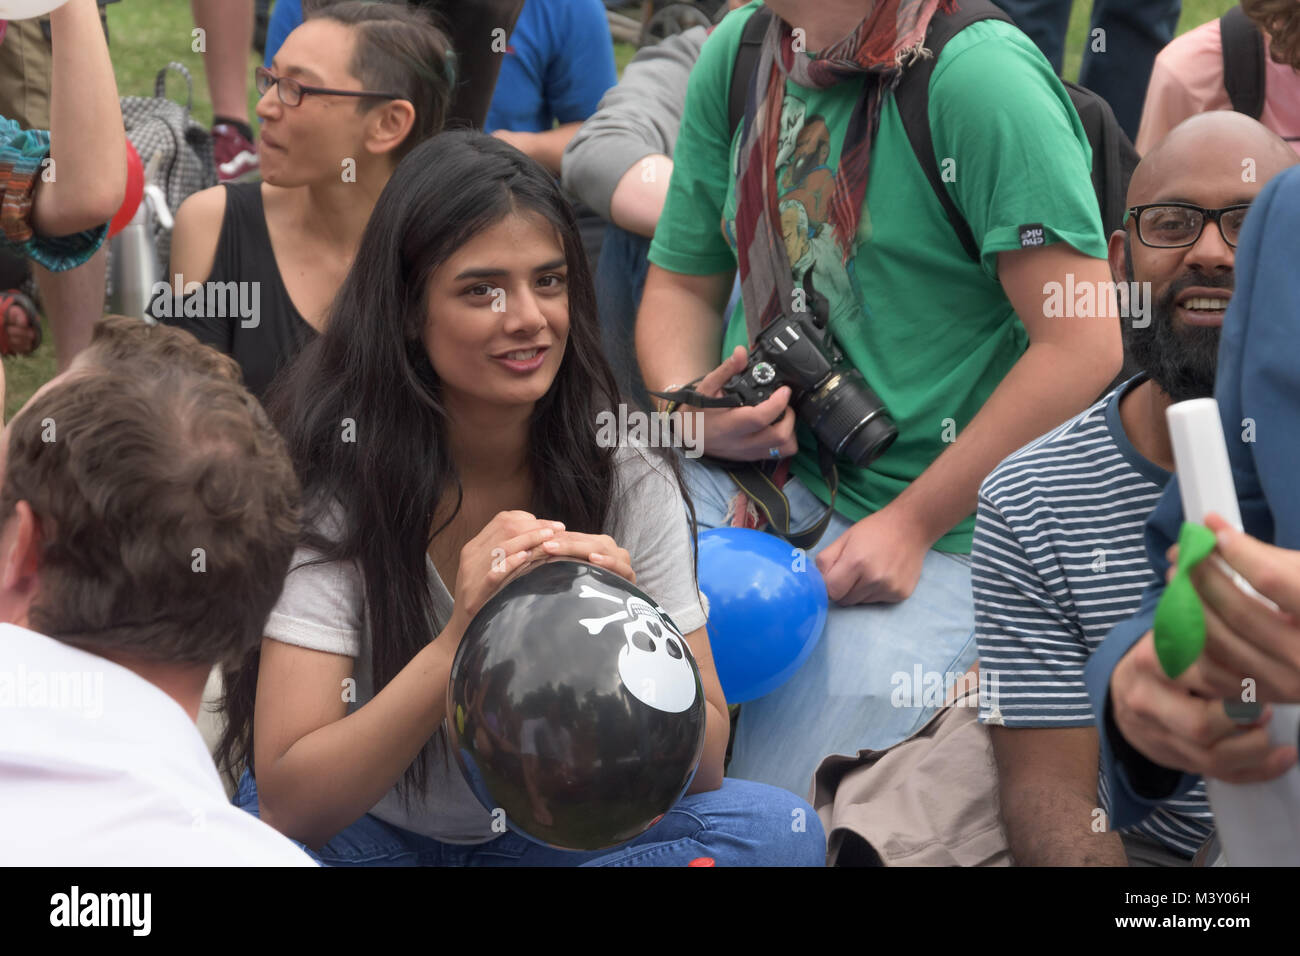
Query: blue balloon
<point x="767" y="609"/>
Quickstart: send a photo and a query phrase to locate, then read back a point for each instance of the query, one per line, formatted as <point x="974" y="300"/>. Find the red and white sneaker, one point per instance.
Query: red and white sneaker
<point x="236" y="157"/>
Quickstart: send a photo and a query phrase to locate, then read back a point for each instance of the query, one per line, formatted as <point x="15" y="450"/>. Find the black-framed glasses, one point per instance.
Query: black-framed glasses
<point x="291" y="91"/>
<point x="1173" y="225"/>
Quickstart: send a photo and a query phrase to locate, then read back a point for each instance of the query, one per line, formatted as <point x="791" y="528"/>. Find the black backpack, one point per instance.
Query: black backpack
<point x="1113" y="155"/>
<point x="1243" y="62"/>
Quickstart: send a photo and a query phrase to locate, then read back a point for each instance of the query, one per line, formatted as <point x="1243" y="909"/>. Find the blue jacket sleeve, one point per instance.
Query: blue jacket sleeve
<point x="1258" y="390"/>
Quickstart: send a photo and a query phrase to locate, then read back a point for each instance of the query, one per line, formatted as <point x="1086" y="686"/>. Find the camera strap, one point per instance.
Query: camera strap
<point x="758" y="479"/>
<point x="686" y="395"/>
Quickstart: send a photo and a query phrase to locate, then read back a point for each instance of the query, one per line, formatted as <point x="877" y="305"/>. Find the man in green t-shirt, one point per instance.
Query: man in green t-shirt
<point x="969" y="358"/>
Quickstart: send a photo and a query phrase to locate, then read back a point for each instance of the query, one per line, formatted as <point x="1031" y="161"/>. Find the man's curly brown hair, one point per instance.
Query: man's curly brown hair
<point x="1280" y="19"/>
<point x="166" y="506"/>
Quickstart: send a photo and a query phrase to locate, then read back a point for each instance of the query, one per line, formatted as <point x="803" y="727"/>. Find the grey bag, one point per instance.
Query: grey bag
<point x="164" y="133"/>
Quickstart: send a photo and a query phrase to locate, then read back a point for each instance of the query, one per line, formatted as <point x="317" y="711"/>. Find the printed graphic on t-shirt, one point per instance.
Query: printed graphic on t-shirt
<point x="805" y="183"/>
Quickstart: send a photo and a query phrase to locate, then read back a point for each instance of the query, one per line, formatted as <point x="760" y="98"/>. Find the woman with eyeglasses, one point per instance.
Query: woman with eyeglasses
<point x="351" y="91"/>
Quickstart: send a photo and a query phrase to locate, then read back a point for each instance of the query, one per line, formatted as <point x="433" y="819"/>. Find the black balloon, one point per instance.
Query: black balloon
<point x="576" y="707"/>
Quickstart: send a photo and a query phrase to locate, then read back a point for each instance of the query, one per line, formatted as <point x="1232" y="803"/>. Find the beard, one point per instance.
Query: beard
<point x="1181" y="361"/>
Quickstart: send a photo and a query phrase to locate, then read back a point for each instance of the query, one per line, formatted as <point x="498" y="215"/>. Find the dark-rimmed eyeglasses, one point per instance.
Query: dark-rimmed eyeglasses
<point x="291" y="91"/>
<point x="1173" y="225"/>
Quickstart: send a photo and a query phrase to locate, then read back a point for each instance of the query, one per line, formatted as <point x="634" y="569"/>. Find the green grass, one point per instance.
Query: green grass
<point x="146" y="35"/>
<point x="623" y="52"/>
<point x="1195" y="12"/>
<point x="25" y="374"/>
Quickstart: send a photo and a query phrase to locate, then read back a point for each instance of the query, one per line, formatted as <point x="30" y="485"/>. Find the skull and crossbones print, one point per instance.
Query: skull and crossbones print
<point x="654" y="662"/>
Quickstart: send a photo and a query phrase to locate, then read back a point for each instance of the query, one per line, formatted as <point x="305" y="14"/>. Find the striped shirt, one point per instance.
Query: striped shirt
<point x="1058" y="559"/>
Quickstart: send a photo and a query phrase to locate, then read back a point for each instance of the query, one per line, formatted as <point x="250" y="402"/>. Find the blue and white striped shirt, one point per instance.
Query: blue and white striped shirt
<point x="1058" y="559"/>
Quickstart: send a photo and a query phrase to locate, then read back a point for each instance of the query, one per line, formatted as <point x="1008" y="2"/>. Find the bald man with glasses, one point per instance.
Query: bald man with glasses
<point x="1059" y="556"/>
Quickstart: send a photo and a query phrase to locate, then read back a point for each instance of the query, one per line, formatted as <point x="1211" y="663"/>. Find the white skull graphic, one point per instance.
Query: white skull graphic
<point x="654" y="662"/>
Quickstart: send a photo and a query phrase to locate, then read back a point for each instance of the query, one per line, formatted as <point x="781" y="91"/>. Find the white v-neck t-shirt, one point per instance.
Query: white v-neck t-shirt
<point x="321" y="608"/>
<point x="100" y="767"/>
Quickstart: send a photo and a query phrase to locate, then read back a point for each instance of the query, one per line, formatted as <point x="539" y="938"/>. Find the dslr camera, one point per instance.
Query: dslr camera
<point x="827" y="392"/>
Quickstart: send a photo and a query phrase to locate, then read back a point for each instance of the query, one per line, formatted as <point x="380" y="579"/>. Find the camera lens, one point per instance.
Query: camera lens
<point x="871" y="440"/>
<point x="848" y="417"/>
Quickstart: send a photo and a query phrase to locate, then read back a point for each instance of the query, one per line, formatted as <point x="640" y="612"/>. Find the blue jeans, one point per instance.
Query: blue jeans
<point x="857" y="688"/>
<point x="741" y="824"/>
<point x="1134" y="32"/>
<point x="620" y="279"/>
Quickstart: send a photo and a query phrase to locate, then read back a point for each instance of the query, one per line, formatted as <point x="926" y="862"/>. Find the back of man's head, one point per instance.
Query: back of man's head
<point x="164" y="504"/>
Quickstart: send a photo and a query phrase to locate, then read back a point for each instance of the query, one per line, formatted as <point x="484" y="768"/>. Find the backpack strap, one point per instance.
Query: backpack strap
<point x="160" y="84"/>
<point x="1243" y="62"/>
<point x="912" y="95"/>
<point x="751" y="45"/>
<point x="1113" y="155"/>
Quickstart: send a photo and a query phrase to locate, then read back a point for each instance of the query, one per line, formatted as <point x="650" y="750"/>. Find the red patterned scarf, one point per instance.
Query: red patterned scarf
<point x="888" y="39"/>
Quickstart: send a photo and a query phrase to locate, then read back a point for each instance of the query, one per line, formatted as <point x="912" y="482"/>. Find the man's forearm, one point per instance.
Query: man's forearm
<point x="87" y="140"/>
<point x="1048" y="826"/>
<point x="548" y="147"/>
<point x="679" y="326"/>
<point x="1038" y="394"/>
<point x="638" y="199"/>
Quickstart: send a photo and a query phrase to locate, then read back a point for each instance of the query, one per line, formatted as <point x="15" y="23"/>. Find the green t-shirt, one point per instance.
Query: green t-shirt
<point x="932" y="332"/>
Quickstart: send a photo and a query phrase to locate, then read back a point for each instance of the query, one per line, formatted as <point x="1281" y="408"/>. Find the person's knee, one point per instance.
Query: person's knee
<point x="791" y="829"/>
<point x="776" y="827"/>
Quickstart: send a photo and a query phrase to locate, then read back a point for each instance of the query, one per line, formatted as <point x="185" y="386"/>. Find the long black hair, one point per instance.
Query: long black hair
<point x="370" y="370"/>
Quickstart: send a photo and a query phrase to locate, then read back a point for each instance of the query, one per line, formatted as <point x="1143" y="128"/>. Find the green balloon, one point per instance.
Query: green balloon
<point x="1180" y="618"/>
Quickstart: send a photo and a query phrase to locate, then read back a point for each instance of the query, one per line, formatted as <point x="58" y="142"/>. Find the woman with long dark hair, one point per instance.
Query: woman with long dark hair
<point x="444" y="427"/>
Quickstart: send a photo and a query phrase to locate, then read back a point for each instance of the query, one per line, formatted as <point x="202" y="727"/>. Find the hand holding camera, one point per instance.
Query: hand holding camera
<point x="750" y="432"/>
<point x="795" y="369"/>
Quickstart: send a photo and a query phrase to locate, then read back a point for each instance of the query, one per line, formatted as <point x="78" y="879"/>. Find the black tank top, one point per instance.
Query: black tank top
<point x="244" y="309"/>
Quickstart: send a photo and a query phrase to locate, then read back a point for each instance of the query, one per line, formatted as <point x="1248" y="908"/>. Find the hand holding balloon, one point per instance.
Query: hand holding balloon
<point x="1181" y="723"/>
<point x="507" y="543"/>
<point x="1244" y="636"/>
<point x="600" y="549"/>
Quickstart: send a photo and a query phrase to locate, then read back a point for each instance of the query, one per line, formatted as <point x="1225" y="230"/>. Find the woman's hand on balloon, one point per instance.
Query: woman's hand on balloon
<point x="599" y="549"/>
<point x="508" y="542"/>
